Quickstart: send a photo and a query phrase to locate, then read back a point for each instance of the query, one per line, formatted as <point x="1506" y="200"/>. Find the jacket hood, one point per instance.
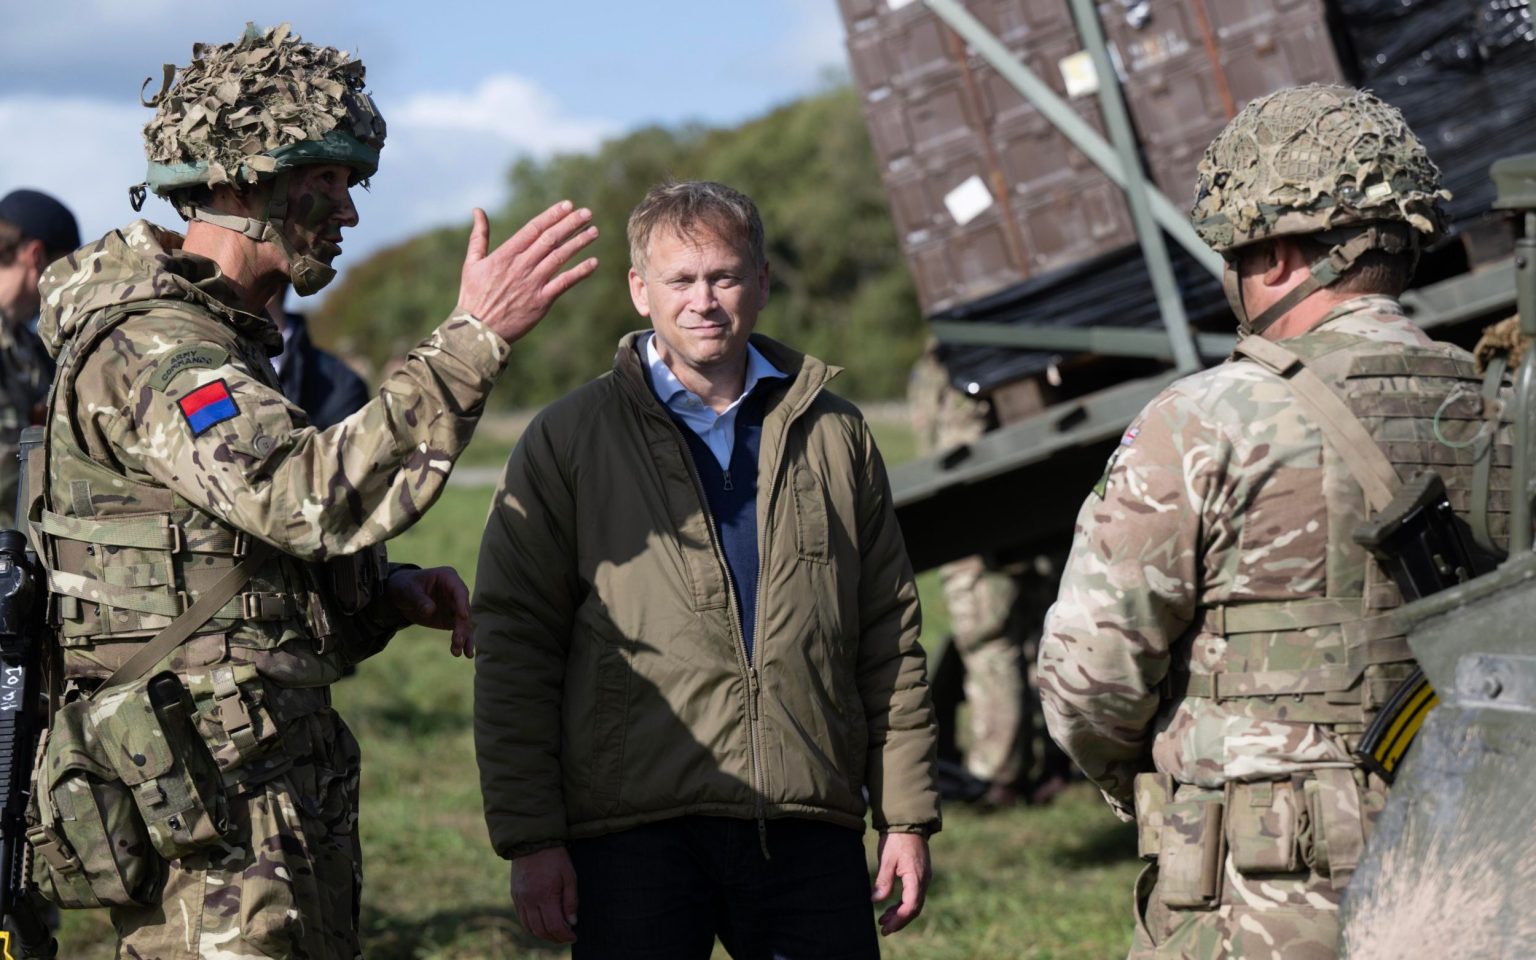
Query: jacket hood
<point x="137" y="263"/>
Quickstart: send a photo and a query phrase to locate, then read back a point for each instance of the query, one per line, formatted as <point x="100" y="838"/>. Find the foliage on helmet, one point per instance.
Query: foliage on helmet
<point x="1310" y="159"/>
<point x="242" y="111"/>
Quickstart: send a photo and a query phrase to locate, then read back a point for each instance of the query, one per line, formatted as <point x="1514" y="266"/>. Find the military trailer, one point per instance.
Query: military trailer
<point x="1039" y="157"/>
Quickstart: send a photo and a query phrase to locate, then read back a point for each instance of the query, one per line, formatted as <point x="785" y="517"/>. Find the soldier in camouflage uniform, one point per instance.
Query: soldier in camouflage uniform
<point x="35" y="230"/>
<point x="1220" y="642"/>
<point x="182" y="495"/>
<point x="980" y="601"/>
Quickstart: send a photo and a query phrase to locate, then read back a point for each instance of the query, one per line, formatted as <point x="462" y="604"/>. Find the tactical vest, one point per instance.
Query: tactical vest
<point x="125" y="557"/>
<point x="1386" y="415"/>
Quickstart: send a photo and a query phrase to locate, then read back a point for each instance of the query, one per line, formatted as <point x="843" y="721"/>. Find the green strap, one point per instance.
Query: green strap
<point x="167" y="640"/>
<point x="1325" y="272"/>
<point x="1482" y="474"/>
<point x="1276" y="616"/>
<point x="123" y="598"/>
<point x="1383" y="642"/>
<point x="148" y="533"/>
<point x="145" y="533"/>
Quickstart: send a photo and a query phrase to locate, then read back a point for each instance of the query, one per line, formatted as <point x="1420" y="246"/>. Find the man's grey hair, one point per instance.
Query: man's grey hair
<point x="681" y="206"/>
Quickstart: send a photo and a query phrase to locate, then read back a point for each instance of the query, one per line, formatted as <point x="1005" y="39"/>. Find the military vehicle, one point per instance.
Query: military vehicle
<point x="1451" y="867"/>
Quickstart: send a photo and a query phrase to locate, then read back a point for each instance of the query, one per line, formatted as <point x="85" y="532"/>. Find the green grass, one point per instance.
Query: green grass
<point x="1026" y="883"/>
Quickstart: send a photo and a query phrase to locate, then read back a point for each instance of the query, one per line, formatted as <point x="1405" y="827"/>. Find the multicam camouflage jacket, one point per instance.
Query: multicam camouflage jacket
<point x="1222" y="499"/>
<point x="166" y="411"/>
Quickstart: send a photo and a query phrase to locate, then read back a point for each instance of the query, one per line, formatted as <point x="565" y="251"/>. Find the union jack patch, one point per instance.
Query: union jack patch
<point x="208" y="406"/>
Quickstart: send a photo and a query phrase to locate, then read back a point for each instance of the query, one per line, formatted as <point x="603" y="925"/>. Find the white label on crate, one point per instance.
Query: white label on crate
<point x="898" y="4"/>
<point x="1079" y="74"/>
<point x="967" y="201"/>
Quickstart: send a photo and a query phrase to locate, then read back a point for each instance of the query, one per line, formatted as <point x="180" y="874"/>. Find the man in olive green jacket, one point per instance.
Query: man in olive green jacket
<point x="698" y="634"/>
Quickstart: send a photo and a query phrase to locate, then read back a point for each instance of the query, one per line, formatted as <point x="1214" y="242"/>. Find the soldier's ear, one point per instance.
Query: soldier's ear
<point x="1281" y="259"/>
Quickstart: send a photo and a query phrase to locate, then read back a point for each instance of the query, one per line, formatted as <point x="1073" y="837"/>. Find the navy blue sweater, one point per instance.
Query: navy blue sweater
<point x="732" y="501"/>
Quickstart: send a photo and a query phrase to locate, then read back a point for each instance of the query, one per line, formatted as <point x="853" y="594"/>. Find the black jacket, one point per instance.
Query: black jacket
<point x="318" y="381"/>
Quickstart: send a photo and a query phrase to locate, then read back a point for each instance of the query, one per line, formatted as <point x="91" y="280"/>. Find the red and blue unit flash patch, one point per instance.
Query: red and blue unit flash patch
<point x="208" y="406"/>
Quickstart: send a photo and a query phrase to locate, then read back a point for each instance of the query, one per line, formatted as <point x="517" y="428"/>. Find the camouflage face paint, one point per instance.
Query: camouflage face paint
<point x="319" y="205"/>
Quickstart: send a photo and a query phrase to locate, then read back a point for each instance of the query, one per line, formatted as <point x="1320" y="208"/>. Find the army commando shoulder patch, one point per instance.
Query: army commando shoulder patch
<point x="208" y="406"/>
<point x="203" y="356"/>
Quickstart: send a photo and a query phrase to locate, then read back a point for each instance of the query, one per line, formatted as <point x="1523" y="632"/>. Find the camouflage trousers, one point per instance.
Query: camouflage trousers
<point x="980" y="603"/>
<point x="285" y="883"/>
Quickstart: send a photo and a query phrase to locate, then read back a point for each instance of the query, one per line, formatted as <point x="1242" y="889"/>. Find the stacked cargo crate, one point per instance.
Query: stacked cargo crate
<point x="1189" y="66"/>
<point x="985" y="191"/>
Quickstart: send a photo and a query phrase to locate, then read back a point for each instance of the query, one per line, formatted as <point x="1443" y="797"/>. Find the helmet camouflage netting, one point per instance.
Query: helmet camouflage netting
<point x="242" y="111"/>
<point x="1312" y="159"/>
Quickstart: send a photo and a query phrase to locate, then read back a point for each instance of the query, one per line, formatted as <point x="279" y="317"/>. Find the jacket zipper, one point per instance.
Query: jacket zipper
<point x="748" y="670"/>
<point x="748" y="666"/>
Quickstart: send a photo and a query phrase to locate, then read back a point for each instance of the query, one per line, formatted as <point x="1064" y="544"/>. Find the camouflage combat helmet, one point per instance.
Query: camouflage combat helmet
<point x="253" y="110"/>
<point x="1331" y="163"/>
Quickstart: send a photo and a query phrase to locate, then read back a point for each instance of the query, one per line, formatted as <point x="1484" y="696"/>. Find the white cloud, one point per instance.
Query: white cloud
<point x="449" y="151"/>
<point x="507" y="107"/>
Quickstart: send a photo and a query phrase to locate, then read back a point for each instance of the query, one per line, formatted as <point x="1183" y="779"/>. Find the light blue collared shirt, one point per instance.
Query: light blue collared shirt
<point x="717" y="430"/>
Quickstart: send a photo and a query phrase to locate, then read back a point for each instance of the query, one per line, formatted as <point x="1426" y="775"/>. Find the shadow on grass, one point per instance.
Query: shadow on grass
<point x="392" y="937"/>
<point x="1111" y="844"/>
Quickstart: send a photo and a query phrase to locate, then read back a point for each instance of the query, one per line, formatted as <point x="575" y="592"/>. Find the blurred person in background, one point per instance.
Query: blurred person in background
<point x="315" y="379"/>
<point x="35" y="230"/>
<point x="995" y="615"/>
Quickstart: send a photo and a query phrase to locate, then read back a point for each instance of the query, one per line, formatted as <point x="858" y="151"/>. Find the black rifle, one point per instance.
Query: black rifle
<point x="22" y="642"/>
<point x="1421" y="543"/>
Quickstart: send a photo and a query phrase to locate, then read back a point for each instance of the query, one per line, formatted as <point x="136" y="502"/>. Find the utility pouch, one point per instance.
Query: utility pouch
<point x="148" y="731"/>
<point x="240" y="728"/>
<point x="1190" y="855"/>
<point x="1262" y="826"/>
<point x="1154" y="791"/>
<point x="1337" y="825"/>
<point x="90" y="846"/>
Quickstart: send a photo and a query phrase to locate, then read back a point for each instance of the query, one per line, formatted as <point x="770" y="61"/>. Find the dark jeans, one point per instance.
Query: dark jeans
<point x="666" y="890"/>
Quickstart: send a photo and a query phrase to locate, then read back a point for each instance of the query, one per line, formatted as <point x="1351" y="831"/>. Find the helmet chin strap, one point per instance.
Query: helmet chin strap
<point x="307" y="274"/>
<point x="1321" y="273"/>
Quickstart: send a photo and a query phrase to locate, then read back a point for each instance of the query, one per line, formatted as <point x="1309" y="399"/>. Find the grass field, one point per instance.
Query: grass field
<point x="1026" y="883"/>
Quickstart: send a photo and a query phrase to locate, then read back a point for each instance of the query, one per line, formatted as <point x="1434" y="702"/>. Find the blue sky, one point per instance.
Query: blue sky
<point x="465" y="87"/>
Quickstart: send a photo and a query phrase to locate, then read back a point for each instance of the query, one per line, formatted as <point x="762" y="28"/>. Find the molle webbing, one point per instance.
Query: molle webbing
<point x="1348" y="642"/>
<point x="1462" y="431"/>
<point x="1343" y="430"/>
<point x="1458" y="429"/>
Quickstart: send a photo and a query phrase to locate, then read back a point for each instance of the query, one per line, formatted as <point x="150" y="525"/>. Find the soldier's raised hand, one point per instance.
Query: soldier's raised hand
<point x="511" y="288"/>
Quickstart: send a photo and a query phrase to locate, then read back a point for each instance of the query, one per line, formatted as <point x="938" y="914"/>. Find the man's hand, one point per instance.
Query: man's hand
<point x="511" y="288"/>
<point x="435" y="598"/>
<point x="904" y="857"/>
<point x="544" y="894"/>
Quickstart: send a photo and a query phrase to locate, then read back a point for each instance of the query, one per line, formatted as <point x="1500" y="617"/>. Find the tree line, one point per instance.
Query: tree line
<point x="841" y="289"/>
